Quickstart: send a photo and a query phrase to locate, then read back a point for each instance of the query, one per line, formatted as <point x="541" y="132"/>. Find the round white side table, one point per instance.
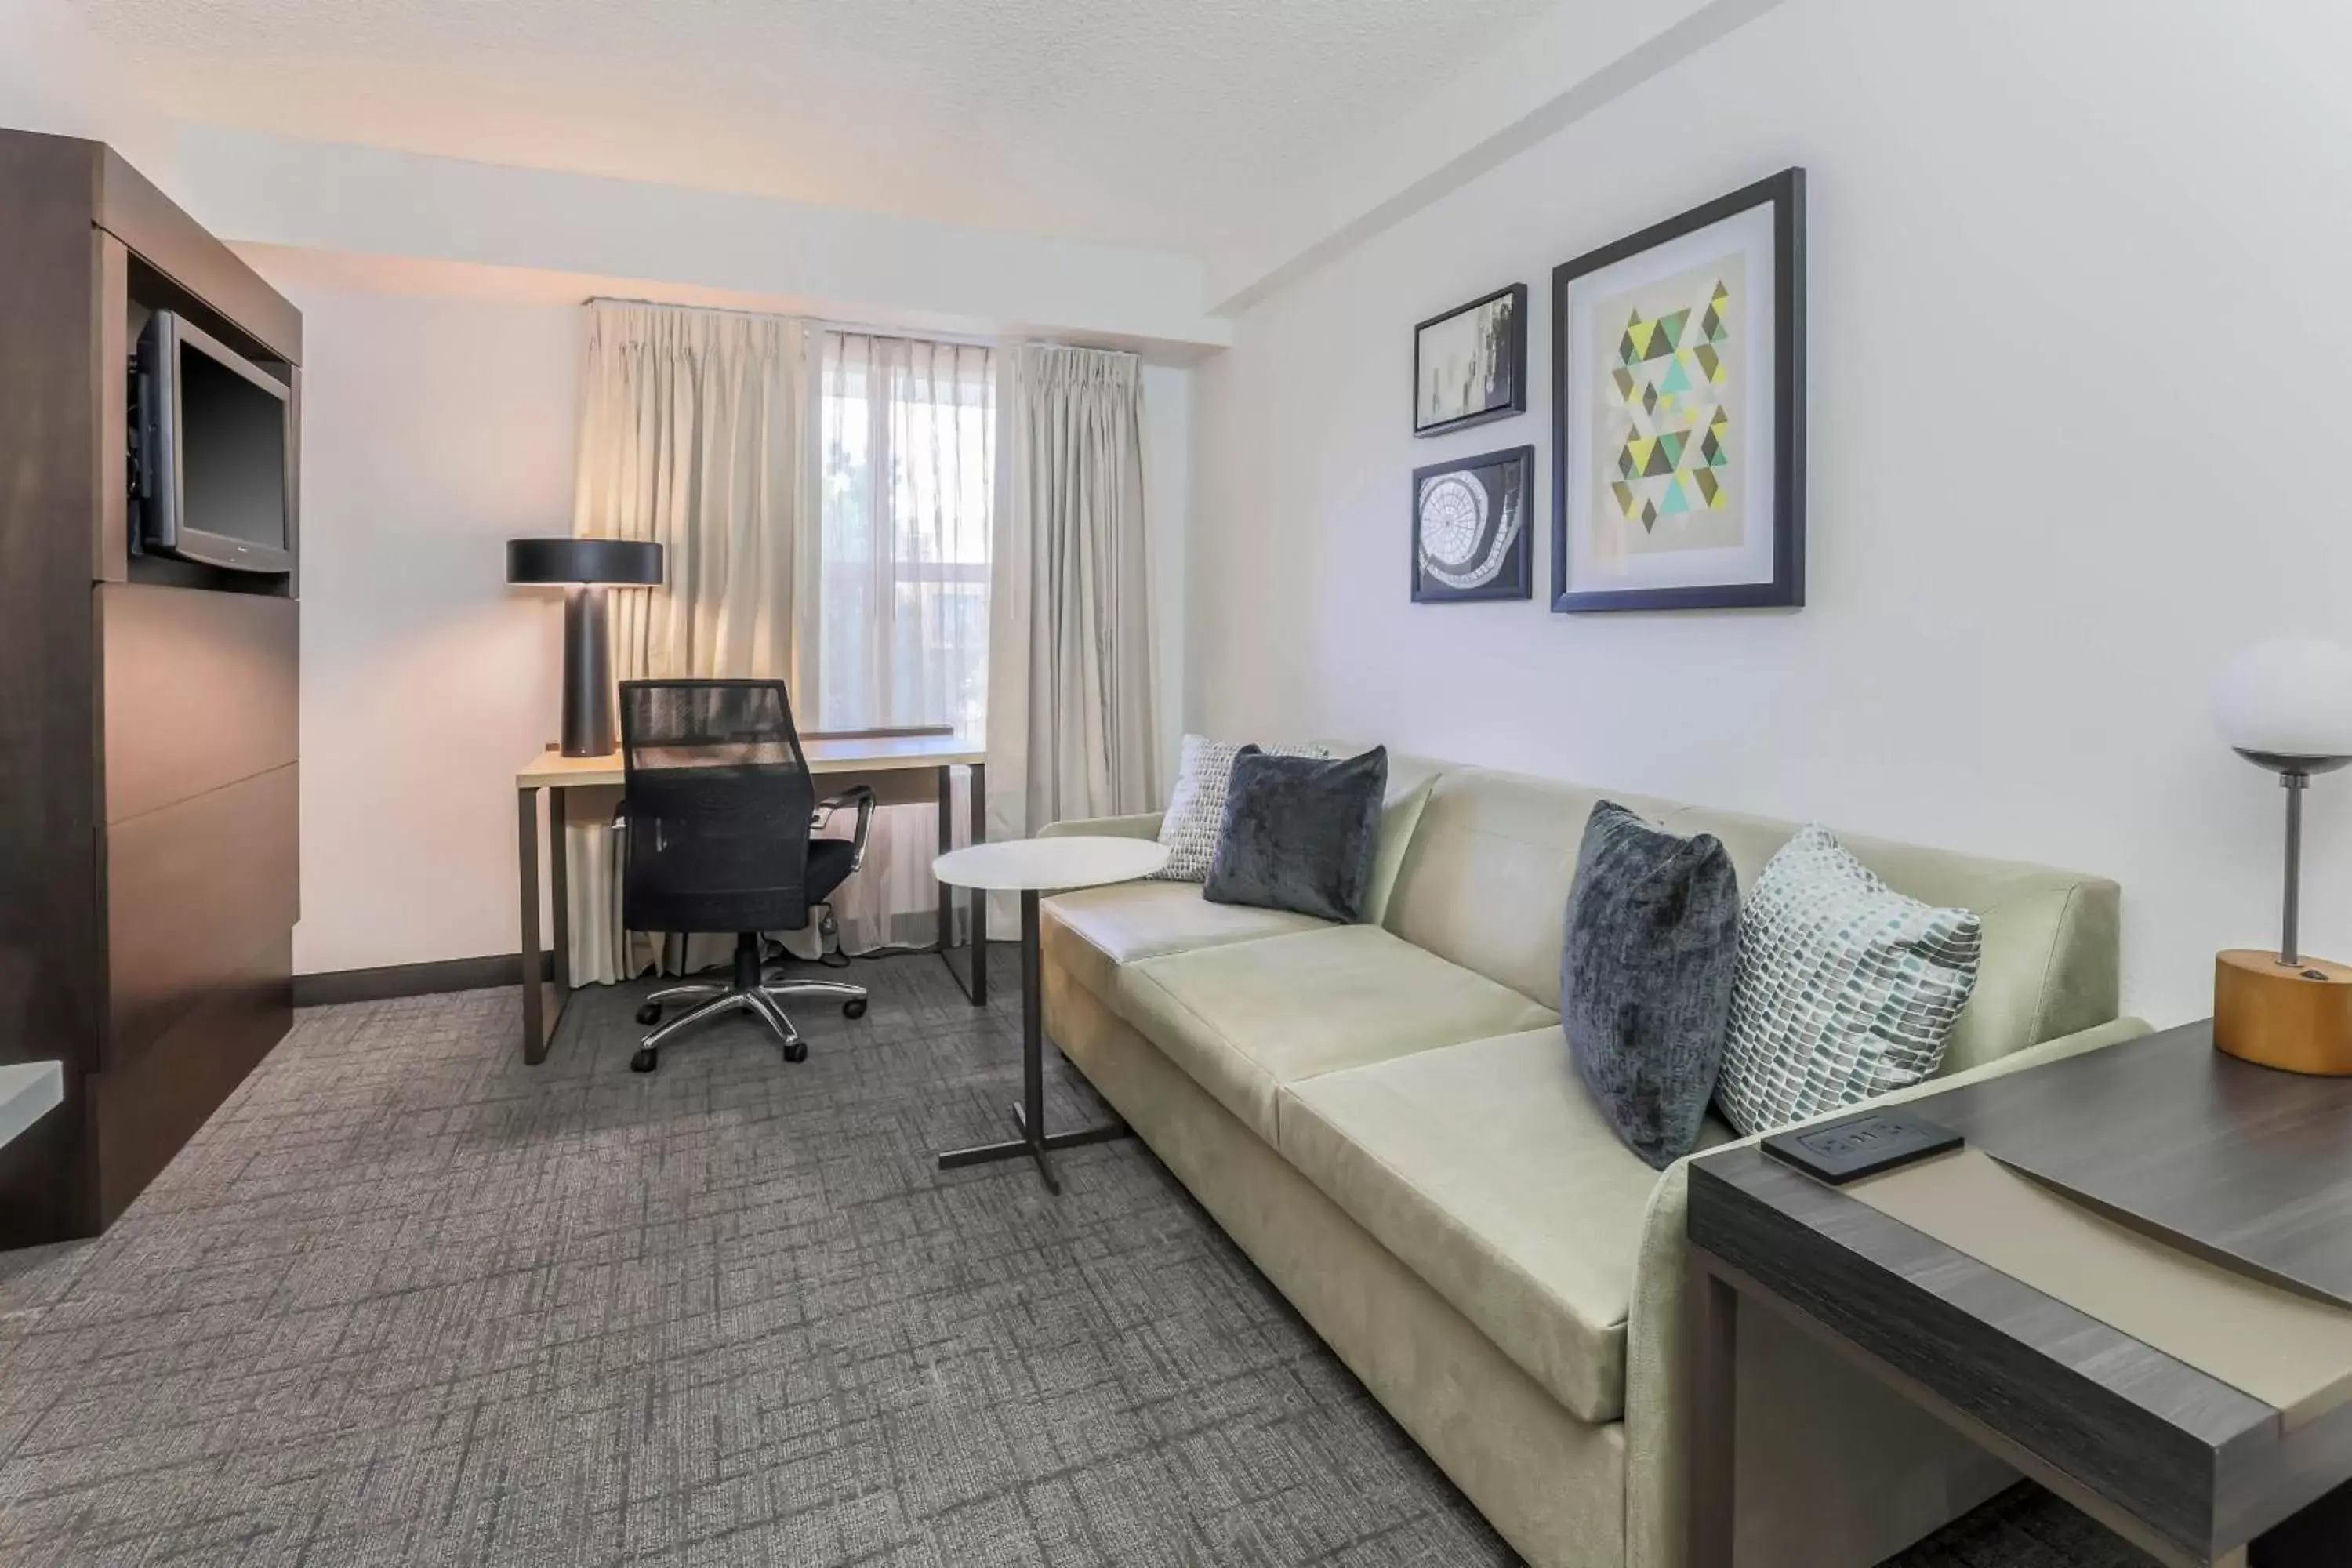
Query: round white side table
<point x="1031" y="867"/>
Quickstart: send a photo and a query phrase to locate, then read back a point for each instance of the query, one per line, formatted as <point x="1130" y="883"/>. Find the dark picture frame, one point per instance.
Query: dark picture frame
<point x="1506" y="371"/>
<point x="1494" y="483"/>
<point x="1784" y="193"/>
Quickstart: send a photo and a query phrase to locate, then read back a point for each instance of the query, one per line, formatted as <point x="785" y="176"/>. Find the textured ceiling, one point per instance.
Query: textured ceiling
<point x="1163" y="123"/>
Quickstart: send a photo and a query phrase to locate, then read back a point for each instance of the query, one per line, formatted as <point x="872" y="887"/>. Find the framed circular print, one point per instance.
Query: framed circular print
<point x="1470" y="528"/>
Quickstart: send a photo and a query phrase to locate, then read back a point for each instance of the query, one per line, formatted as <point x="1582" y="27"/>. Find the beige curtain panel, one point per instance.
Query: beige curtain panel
<point x="695" y="433"/>
<point x="1072" y="731"/>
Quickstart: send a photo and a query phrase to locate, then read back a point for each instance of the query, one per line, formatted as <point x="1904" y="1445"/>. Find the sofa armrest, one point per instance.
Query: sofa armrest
<point x="1657" y="1379"/>
<point x="1143" y="825"/>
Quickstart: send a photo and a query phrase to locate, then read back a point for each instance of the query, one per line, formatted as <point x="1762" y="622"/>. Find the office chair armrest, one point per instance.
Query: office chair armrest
<point x="862" y="797"/>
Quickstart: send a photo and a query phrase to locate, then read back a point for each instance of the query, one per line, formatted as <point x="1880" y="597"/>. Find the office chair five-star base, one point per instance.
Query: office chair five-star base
<point x="748" y="990"/>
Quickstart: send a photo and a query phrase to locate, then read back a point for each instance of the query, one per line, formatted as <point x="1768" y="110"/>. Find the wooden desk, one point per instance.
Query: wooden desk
<point x="2218" y="1175"/>
<point x="896" y="765"/>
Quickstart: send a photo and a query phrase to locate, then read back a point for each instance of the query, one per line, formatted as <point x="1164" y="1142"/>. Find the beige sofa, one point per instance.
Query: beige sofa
<point x="1384" y="1118"/>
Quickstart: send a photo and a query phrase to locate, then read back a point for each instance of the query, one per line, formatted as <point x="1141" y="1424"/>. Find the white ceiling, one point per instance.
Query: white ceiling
<point x="1169" y="123"/>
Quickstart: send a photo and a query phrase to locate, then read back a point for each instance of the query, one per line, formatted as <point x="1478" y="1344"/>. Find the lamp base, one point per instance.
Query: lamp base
<point x="2297" y="1018"/>
<point x="587" y="674"/>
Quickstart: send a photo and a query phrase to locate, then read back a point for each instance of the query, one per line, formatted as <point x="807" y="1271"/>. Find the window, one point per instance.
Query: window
<point x="907" y="508"/>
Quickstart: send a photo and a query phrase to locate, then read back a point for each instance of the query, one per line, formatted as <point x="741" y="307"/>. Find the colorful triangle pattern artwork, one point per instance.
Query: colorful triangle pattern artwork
<point x="1670" y="378"/>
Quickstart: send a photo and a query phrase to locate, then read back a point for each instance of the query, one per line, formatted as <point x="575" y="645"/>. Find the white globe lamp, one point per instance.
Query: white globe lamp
<point x="2287" y="705"/>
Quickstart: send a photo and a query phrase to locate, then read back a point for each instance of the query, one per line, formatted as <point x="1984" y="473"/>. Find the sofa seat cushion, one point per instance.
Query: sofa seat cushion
<point x="1245" y="1018"/>
<point x="1488" y="1170"/>
<point x="1130" y="921"/>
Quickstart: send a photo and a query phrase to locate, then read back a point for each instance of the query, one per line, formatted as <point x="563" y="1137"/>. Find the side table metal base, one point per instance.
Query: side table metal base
<point x="1035" y="1148"/>
<point x="1029" y="1116"/>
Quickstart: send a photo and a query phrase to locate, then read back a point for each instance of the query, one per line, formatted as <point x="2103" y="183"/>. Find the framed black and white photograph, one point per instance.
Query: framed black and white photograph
<point x="1469" y="365"/>
<point x="1471" y="529"/>
<point x="1678" y="411"/>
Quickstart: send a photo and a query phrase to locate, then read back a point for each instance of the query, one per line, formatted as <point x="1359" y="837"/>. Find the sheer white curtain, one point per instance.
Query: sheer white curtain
<point x="892" y="588"/>
<point x="694" y="433"/>
<point x="1072" y="695"/>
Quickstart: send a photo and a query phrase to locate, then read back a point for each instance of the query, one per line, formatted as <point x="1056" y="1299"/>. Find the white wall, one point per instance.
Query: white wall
<point x="57" y="77"/>
<point x="659" y="239"/>
<point x="434" y="430"/>
<point x="1556" y="67"/>
<point x="2077" y="328"/>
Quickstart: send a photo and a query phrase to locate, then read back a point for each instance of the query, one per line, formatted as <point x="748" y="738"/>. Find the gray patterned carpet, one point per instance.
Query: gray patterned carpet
<point x="406" y="1301"/>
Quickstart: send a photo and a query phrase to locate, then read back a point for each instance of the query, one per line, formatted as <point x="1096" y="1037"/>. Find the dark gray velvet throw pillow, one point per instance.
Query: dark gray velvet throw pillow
<point x="1300" y="833"/>
<point x="1645" y="976"/>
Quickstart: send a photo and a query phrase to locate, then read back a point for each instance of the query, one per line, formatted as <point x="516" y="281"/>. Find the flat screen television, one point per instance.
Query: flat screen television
<point x="214" y="470"/>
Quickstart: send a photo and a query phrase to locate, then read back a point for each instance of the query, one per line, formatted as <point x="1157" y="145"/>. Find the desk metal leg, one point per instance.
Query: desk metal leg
<point x="976" y="832"/>
<point x="945" y="778"/>
<point x="1714" y="1344"/>
<point x="559" y="888"/>
<point x="534" y="1001"/>
<point x="975" y="987"/>
<point x="1029" y="1116"/>
<point x="538" y="1017"/>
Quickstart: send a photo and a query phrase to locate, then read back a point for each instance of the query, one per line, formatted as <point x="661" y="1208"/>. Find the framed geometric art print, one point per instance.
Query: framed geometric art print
<point x="1470" y="364"/>
<point x="1678" y="411"/>
<point x="1470" y="527"/>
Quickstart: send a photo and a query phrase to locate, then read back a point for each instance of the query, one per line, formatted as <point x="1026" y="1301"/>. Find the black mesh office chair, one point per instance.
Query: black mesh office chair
<point x="719" y="835"/>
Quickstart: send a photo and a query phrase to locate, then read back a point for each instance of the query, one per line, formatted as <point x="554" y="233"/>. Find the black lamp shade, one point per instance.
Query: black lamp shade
<point x="622" y="562"/>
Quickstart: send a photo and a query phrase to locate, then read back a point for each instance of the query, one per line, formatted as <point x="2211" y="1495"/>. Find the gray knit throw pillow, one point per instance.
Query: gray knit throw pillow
<point x="1846" y="988"/>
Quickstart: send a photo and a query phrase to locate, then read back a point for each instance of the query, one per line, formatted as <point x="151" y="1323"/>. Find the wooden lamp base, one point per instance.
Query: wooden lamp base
<point x="2297" y="1018"/>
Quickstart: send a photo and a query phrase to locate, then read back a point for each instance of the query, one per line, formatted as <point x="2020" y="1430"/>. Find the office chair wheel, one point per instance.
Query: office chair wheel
<point x="853" y="1008"/>
<point x="645" y="1060"/>
<point x="650" y="1012"/>
<point x="795" y="1050"/>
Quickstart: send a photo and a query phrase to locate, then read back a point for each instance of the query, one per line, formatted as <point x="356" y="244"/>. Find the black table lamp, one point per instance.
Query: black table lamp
<point x="583" y="569"/>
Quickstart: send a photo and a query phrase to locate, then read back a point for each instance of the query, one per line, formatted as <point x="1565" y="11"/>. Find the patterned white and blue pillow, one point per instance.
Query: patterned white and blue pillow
<point x="1845" y="988"/>
<point x="1196" y="807"/>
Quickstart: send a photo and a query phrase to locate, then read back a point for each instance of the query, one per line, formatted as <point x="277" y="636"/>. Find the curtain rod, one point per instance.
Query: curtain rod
<point x="857" y="328"/>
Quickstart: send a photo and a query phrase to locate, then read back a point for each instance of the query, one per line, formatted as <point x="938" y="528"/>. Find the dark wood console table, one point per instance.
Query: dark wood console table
<point x="2235" y="1179"/>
